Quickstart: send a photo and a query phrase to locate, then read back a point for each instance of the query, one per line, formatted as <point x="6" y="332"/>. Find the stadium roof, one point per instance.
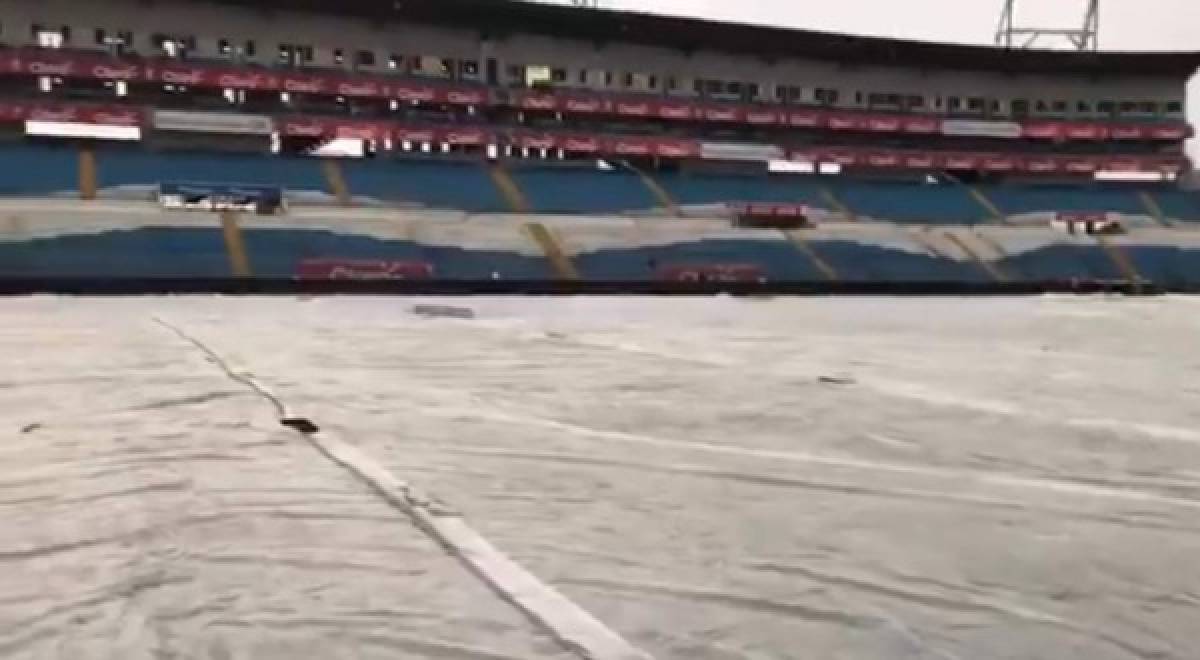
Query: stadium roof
<point x="503" y="17"/>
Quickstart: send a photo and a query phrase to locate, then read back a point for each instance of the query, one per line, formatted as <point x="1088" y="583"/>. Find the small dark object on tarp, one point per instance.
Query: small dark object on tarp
<point x="300" y="424"/>
<point x="836" y="380"/>
<point x="30" y="428"/>
<point x="444" y="311"/>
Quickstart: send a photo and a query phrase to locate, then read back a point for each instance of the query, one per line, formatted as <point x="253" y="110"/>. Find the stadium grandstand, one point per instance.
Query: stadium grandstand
<point x="482" y="140"/>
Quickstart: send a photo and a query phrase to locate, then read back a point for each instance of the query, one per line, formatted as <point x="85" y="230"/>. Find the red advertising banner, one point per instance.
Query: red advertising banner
<point x="335" y="128"/>
<point x="581" y="143"/>
<point x="922" y="125"/>
<point x="1042" y="130"/>
<point x="883" y="159"/>
<point x="999" y="163"/>
<point x="845" y="122"/>
<point x="711" y="273"/>
<point x="883" y="124"/>
<point x="675" y="110"/>
<point x="1041" y="164"/>
<point x="363" y="269"/>
<point x="71" y="113"/>
<point x="1127" y="132"/>
<point x="418" y="135"/>
<point x="805" y="118"/>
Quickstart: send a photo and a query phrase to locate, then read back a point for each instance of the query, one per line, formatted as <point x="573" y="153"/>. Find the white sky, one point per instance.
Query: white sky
<point x="1124" y="24"/>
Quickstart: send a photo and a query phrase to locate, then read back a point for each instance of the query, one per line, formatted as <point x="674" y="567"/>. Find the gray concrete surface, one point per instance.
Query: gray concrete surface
<point x="713" y="478"/>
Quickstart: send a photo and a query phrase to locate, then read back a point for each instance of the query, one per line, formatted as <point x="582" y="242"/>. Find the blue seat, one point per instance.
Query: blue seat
<point x="1180" y="205"/>
<point x="28" y="169"/>
<point x="911" y="202"/>
<point x="862" y="262"/>
<point x="116" y="167"/>
<point x="463" y="186"/>
<point x="697" y="189"/>
<point x="778" y="260"/>
<point x="562" y="190"/>
<point x="1031" y="199"/>
<point x="145" y="252"/>
<point x="1165" y="265"/>
<point x="1063" y="262"/>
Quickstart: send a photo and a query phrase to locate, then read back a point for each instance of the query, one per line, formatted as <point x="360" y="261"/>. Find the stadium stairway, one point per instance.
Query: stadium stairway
<point x="508" y="188"/>
<point x="836" y="204"/>
<point x="980" y="197"/>
<point x="665" y="201"/>
<point x="551" y="247"/>
<point x="87" y="173"/>
<point x="796" y="236"/>
<point x="336" y="182"/>
<point x="235" y="245"/>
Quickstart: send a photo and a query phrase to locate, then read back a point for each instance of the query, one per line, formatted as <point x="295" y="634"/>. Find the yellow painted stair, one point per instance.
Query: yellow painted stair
<point x="832" y="199"/>
<point x="988" y="205"/>
<point x="337" y="182"/>
<point x="563" y="267"/>
<point x="235" y="245"/>
<point x="508" y="188"/>
<point x="88" y="174"/>
<point x="796" y="236"/>
<point x="1154" y="208"/>
<point x="1121" y="260"/>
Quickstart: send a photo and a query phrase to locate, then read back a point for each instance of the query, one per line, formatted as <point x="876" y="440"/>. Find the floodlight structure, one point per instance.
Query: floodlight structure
<point x="1011" y="35"/>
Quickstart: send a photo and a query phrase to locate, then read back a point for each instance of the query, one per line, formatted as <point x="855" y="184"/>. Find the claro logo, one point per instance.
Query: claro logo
<point x="233" y="80"/>
<point x="116" y="118"/>
<point x="303" y="86"/>
<point x="51" y="69"/>
<point x="43" y="114"/>
<point x="190" y="77"/>
<point x="465" y="98"/>
<point x="114" y="73"/>
<point x="359" y="89"/>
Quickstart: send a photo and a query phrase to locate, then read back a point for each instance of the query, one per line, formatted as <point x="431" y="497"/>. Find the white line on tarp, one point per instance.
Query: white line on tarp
<point x="575" y="628"/>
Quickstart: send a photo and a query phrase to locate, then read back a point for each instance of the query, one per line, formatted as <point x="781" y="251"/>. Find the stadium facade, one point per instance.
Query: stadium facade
<point x="477" y="140"/>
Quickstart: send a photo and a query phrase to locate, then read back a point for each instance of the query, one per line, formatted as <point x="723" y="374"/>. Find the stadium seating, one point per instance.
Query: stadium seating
<point x="1166" y="265"/>
<point x="778" y="260"/>
<point x="276" y="253"/>
<point x="563" y="190"/>
<point x="863" y="262"/>
<point x="435" y="184"/>
<point x="144" y="252"/>
<point x="116" y="167"/>
<point x="911" y="202"/>
<point x="1014" y="200"/>
<point x="1179" y="205"/>
<point x="27" y="169"/>
<point x="1063" y="262"/>
<point x="689" y="189"/>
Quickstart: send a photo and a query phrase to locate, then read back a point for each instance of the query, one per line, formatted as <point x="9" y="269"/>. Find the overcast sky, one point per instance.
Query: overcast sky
<point x="1124" y="24"/>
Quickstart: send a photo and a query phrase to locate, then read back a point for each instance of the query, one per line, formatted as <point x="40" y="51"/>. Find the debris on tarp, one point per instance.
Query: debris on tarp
<point x="836" y="380"/>
<point x="444" y="311"/>
<point x="300" y="424"/>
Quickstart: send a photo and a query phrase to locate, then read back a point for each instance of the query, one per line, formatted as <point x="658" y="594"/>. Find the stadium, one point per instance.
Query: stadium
<point x="444" y="466"/>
